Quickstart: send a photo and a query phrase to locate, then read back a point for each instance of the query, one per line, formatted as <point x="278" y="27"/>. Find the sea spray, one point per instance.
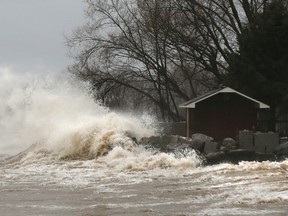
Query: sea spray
<point x="57" y="117"/>
<point x="83" y="160"/>
<point x="50" y="109"/>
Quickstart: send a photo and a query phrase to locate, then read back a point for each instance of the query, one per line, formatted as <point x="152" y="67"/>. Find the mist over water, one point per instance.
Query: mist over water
<point x="56" y="114"/>
<point x="62" y="153"/>
<point x="54" y="110"/>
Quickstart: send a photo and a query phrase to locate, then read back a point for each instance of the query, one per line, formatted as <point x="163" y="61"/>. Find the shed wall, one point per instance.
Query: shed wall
<point x="223" y="115"/>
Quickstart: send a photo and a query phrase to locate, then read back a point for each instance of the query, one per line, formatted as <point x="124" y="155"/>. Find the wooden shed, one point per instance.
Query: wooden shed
<point x="222" y="113"/>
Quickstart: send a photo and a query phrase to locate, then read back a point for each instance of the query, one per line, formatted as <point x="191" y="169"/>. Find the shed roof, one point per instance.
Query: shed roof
<point x="192" y="103"/>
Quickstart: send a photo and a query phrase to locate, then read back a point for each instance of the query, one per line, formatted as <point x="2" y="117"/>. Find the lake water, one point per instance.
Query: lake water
<point x="122" y="183"/>
<point x="64" y="154"/>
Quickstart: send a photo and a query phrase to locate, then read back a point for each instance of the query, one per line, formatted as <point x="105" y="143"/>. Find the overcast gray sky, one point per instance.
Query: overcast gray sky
<point x="32" y="33"/>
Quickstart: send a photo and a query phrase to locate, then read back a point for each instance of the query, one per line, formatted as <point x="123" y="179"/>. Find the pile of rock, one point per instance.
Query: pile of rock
<point x="168" y="143"/>
<point x="226" y="151"/>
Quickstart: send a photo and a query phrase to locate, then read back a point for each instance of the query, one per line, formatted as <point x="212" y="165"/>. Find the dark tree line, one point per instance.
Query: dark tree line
<point x="153" y="54"/>
<point x="260" y="67"/>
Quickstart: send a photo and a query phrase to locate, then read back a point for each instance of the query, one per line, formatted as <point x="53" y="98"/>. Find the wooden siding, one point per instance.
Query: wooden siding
<point x="223" y="115"/>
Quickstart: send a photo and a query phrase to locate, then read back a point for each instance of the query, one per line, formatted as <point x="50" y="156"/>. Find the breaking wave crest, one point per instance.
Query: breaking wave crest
<point x="56" y="140"/>
<point x="53" y="117"/>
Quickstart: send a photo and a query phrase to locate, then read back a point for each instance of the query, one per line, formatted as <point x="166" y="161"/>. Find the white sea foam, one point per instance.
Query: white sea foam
<point x="55" y="109"/>
<point x="57" y="116"/>
<point x="60" y="138"/>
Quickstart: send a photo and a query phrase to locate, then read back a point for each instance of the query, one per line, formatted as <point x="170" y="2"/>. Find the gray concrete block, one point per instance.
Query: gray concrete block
<point x="260" y="149"/>
<point x="210" y="147"/>
<point x="246" y="140"/>
<point x="266" y="142"/>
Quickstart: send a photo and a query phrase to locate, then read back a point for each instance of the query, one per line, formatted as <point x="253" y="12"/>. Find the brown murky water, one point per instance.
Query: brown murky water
<point x="91" y="187"/>
<point x="85" y="162"/>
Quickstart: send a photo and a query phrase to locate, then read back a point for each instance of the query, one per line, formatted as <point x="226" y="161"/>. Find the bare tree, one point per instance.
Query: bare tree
<point x="126" y="45"/>
<point x="208" y="30"/>
<point x="153" y="54"/>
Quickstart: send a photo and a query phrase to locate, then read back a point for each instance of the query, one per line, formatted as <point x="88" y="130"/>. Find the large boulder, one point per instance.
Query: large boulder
<point x="166" y="143"/>
<point x="237" y="155"/>
<point x="202" y="141"/>
<point x="210" y="147"/>
<point x="216" y="158"/>
<point x="174" y="143"/>
<point x="228" y="144"/>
